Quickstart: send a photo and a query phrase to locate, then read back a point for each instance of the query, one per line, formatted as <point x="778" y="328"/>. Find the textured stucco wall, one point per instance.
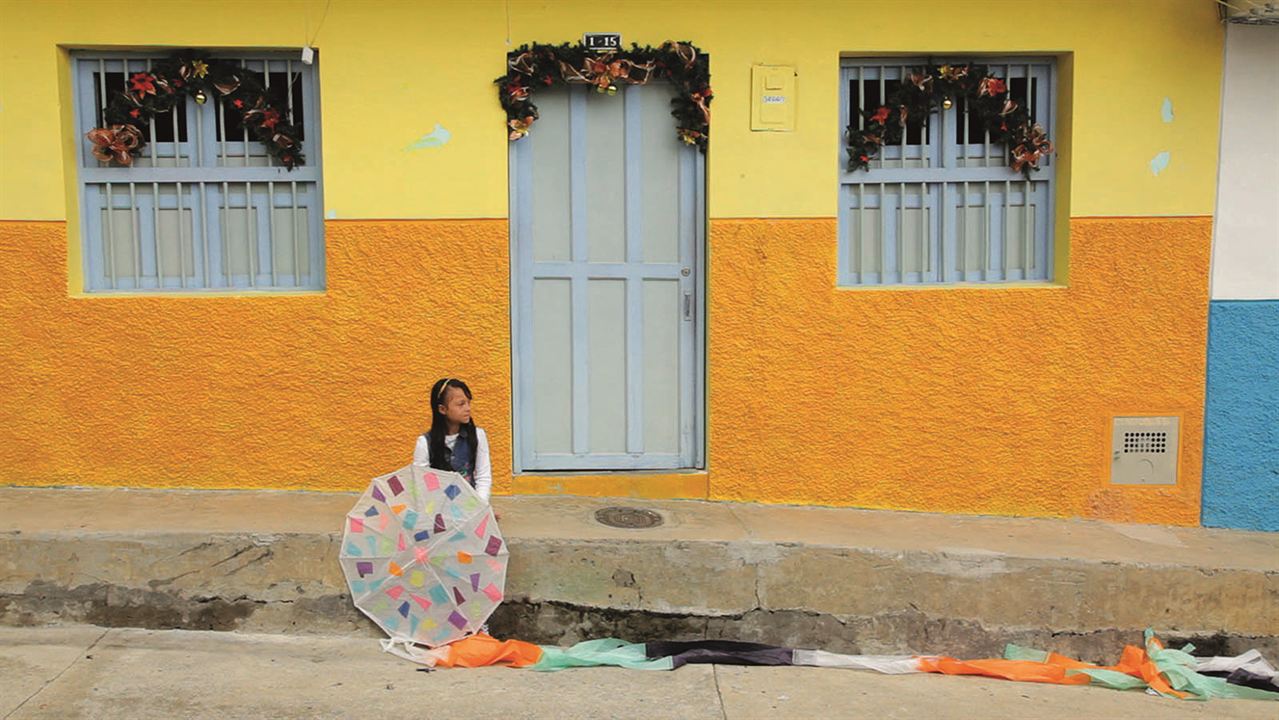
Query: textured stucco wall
<point x="1241" y="439"/>
<point x="991" y="400"/>
<point x="313" y="391"/>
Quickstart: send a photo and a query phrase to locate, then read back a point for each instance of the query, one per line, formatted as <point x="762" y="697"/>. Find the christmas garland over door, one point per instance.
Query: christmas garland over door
<point x="532" y="67"/>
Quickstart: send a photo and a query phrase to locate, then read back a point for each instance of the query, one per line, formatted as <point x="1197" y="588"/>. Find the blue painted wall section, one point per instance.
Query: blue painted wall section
<point x="1241" y="445"/>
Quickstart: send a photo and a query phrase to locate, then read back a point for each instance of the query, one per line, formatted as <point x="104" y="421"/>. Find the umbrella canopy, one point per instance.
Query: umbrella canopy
<point x="423" y="556"/>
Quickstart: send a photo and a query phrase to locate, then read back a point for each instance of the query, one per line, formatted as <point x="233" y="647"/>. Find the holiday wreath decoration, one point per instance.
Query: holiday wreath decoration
<point x="927" y="88"/>
<point x="189" y="73"/>
<point x="531" y="67"/>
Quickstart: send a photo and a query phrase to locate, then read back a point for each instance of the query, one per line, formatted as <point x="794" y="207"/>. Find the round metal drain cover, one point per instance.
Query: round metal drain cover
<point x="628" y="517"/>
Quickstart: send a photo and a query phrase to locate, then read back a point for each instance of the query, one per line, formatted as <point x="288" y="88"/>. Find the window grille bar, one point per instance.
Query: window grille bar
<point x="293" y="233"/>
<point x="905" y="131"/>
<point x="883" y="162"/>
<point x="222" y="131"/>
<point x="151" y="125"/>
<point x="861" y="101"/>
<point x="251" y="245"/>
<point x="901" y="226"/>
<point x="110" y="238"/>
<point x="204" y="231"/>
<point x="883" y="228"/>
<point x="177" y="137"/>
<point x="962" y="234"/>
<point x="1004" y="264"/>
<point x="244" y="130"/>
<point x="103" y="102"/>
<point x="270" y="230"/>
<point x="266" y="79"/>
<point x="857" y="238"/>
<point x="225" y="201"/>
<point x="135" y="236"/>
<point x="985" y="265"/>
<point x="1030" y="99"/>
<point x="155" y="234"/>
<point x="182" y="246"/>
<point x="1028" y="251"/>
<point x="199" y="136"/>
<point x="926" y="227"/>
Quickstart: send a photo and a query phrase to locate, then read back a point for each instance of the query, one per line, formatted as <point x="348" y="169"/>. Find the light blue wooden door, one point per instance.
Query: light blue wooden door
<point x="606" y="227"/>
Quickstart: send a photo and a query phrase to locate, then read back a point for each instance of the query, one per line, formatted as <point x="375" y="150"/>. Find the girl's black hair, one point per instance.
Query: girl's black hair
<point x="441" y="456"/>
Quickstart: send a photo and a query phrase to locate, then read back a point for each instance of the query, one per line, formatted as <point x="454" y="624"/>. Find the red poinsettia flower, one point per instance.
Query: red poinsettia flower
<point x="863" y="158"/>
<point x="880" y="116"/>
<point x="547" y="80"/>
<point x="143" y="84"/>
<point x="991" y="86"/>
<point x="238" y="103"/>
<point x="271" y="118"/>
<point x="135" y="113"/>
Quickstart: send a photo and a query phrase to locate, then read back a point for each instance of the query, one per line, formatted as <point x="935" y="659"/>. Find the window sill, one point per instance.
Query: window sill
<point x="188" y="294"/>
<point x="969" y="286"/>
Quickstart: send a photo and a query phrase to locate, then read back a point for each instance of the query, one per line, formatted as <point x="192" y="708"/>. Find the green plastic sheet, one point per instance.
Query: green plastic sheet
<point x="594" y="653"/>
<point x="1179" y="667"/>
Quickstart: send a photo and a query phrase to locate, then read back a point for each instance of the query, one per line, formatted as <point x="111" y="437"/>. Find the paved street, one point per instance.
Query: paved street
<point x="93" y="672"/>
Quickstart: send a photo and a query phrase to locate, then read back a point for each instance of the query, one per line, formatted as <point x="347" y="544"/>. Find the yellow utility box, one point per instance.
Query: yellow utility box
<point x="773" y="98"/>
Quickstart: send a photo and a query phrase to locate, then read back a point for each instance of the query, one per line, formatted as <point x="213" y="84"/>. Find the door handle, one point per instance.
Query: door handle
<point x="688" y="306"/>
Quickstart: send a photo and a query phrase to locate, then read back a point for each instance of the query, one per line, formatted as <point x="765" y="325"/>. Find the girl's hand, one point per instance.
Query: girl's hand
<point x="497" y="516"/>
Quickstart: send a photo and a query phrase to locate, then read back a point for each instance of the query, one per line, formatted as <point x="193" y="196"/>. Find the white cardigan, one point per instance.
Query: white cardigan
<point x="483" y="470"/>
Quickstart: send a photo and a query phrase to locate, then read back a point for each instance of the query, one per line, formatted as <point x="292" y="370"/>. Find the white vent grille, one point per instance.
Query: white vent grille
<point x="1145" y="442"/>
<point x="1144" y="450"/>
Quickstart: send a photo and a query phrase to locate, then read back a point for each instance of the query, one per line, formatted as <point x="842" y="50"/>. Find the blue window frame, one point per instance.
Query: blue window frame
<point x="943" y="206"/>
<point x="203" y="207"/>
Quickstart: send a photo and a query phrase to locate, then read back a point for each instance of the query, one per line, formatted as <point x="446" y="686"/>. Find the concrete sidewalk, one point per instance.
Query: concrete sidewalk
<point x="92" y="672"/>
<point x="837" y="579"/>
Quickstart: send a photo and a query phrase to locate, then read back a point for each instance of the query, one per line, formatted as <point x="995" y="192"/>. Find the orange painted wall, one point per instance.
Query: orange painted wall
<point x="979" y="400"/>
<point x="317" y="391"/>
<point x="988" y="400"/>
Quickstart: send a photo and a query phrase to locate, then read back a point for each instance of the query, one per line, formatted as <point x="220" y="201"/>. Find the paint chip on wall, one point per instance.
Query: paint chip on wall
<point x="1160" y="162"/>
<point x="331" y="215"/>
<point x="1165" y="112"/>
<point x="437" y="137"/>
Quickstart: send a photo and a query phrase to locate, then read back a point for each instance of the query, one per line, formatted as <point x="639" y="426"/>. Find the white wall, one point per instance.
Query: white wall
<point x="1246" y="244"/>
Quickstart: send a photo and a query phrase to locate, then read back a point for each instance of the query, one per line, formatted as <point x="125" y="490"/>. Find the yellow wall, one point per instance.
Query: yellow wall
<point x="391" y="70"/>
<point x="992" y="400"/>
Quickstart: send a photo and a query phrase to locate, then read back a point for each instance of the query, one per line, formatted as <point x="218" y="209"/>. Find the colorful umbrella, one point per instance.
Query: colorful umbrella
<point x="423" y="556"/>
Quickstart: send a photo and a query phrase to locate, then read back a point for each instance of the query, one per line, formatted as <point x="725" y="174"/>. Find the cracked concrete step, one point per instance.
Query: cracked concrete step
<point x="840" y="579"/>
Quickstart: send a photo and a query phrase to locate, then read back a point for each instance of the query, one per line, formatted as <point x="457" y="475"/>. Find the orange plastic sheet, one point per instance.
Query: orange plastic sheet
<point x="483" y="650"/>
<point x="1019" y="670"/>
<point x="1056" y="669"/>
